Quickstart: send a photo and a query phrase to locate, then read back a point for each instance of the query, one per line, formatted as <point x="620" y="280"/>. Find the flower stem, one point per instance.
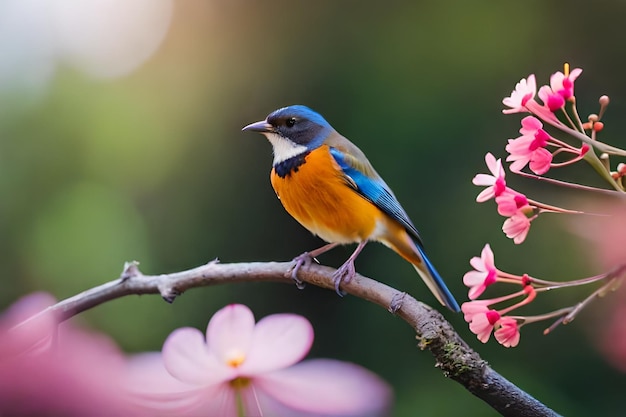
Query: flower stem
<point x="241" y="412"/>
<point x="552" y="209"/>
<point x="584" y="138"/>
<point x="549" y="285"/>
<point x="597" y="164"/>
<point x="566" y="184"/>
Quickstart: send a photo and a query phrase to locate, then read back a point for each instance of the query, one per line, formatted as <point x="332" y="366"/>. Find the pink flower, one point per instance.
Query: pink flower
<point x="564" y="84"/>
<point x="253" y="366"/>
<point x="554" y="101"/>
<point x="495" y="183"/>
<point x="561" y="89"/>
<point x="51" y="369"/>
<point x="525" y="90"/>
<point x="482" y="324"/>
<point x="530" y="148"/>
<point x="516" y="227"/>
<point x="511" y="202"/>
<point x="483" y="275"/>
<point x="471" y="308"/>
<point x="507" y="333"/>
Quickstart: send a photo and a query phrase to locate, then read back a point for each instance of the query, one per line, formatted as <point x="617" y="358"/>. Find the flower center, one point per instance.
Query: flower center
<point x="240" y="382"/>
<point x="526" y="98"/>
<point x="492" y="317"/>
<point x="540" y="141"/>
<point x="236" y="360"/>
<point x="499" y="186"/>
<point x="520" y="201"/>
<point x="490" y="278"/>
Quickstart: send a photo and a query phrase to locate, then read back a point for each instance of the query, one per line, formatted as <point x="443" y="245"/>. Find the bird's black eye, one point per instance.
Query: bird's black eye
<point x="290" y="122"/>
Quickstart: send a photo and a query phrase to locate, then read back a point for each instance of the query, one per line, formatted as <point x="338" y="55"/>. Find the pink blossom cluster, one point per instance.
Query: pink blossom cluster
<point x="511" y="204"/>
<point x="531" y="148"/>
<point x="540" y="151"/>
<point x="483" y="319"/>
<point x="535" y="148"/>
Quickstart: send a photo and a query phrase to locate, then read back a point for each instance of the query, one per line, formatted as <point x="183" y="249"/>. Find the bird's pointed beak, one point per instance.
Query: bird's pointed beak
<point x="261" y="127"/>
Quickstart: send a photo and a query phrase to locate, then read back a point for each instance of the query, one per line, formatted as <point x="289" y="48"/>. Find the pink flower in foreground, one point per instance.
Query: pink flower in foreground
<point x="525" y="90"/>
<point x="483" y="275"/>
<point x="507" y="333"/>
<point x="243" y="368"/>
<point x="516" y="227"/>
<point x="529" y="149"/>
<point x="51" y="369"/>
<point x="495" y="182"/>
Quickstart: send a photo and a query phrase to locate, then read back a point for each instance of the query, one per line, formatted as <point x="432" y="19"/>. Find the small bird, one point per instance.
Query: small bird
<point x="327" y="184"/>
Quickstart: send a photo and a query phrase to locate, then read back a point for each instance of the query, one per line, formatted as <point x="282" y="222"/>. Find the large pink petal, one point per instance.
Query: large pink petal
<point x="29" y="327"/>
<point x="155" y="391"/>
<point x="280" y="340"/>
<point x="26" y="307"/>
<point x="187" y="358"/>
<point x="230" y="332"/>
<point x="147" y="374"/>
<point x="328" y="387"/>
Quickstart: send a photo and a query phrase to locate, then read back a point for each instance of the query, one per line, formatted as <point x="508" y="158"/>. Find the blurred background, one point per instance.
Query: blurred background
<point x="120" y="140"/>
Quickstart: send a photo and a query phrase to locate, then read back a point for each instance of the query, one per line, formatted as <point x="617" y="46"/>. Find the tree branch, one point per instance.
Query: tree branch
<point x="453" y="356"/>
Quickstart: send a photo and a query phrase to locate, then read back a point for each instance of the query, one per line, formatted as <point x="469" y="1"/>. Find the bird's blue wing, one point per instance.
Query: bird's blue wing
<point x="369" y="184"/>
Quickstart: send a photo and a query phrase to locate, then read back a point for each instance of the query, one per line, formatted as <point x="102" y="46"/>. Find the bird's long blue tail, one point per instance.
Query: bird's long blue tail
<point x="435" y="283"/>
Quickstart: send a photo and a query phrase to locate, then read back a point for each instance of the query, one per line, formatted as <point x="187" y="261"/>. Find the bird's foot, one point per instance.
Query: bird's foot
<point x="305" y="260"/>
<point x="344" y="274"/>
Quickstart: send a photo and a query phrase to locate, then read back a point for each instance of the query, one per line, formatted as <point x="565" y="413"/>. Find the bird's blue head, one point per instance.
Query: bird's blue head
<point x="298" y="124"/>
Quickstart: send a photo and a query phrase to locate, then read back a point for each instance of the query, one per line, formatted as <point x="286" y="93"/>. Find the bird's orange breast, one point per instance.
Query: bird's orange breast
<point x="319" y="197"/>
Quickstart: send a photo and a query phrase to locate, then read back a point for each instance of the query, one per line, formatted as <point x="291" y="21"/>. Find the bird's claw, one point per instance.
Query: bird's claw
<point x="305" y="260"/>
<point x="344" y="274"/>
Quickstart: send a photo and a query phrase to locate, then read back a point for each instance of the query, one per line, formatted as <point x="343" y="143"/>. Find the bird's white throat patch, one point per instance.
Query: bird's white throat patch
<point x="284" y="148"/>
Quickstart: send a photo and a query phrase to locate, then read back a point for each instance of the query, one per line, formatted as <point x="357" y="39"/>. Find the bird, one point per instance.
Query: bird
<point x="329" y="186"/>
